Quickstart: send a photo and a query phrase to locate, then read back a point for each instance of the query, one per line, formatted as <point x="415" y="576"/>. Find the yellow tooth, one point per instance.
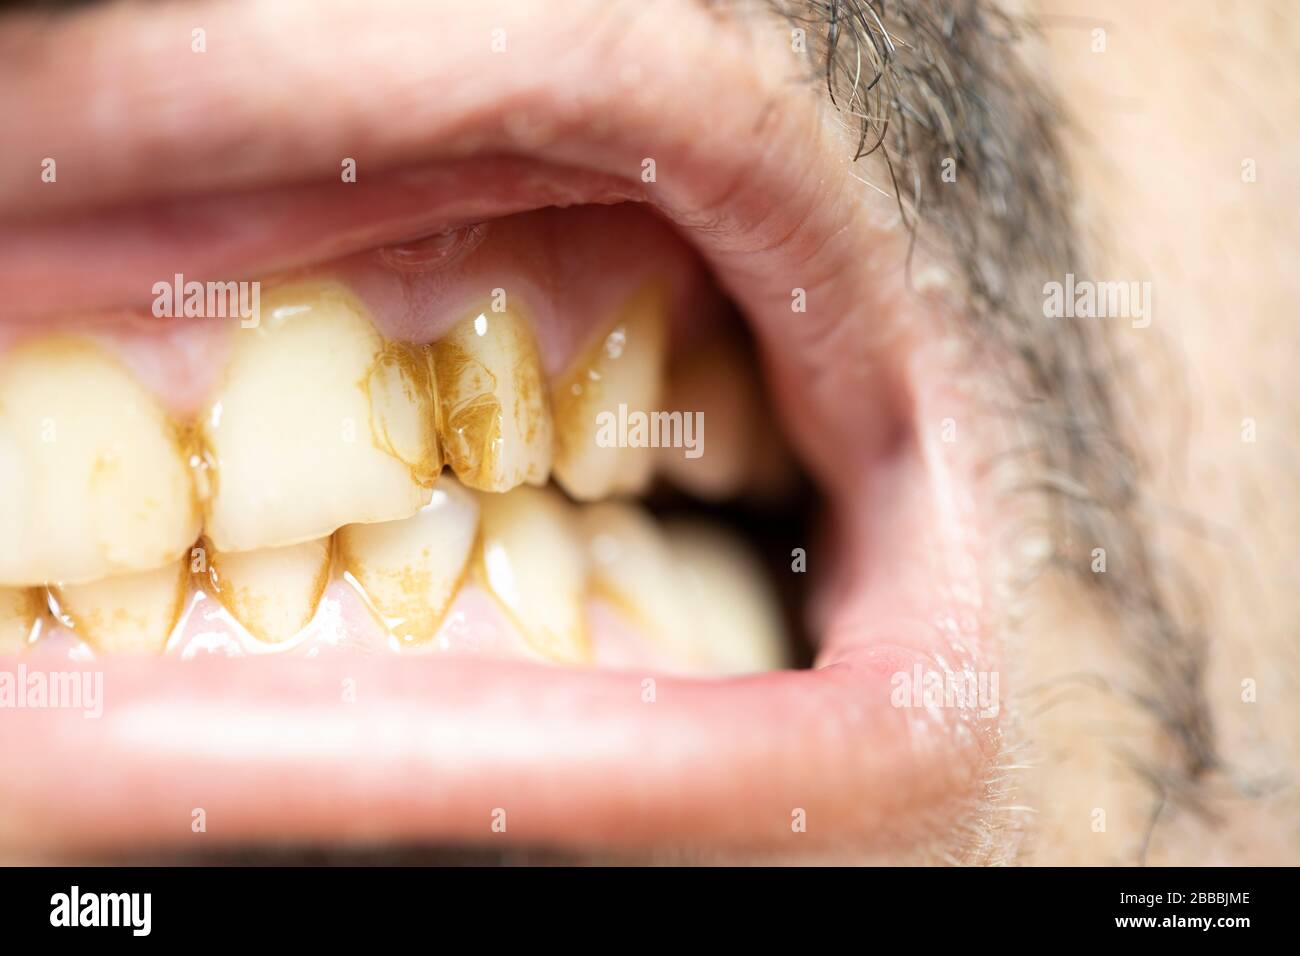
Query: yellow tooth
<point x="496" y="418"/>
<point x="19" y="610"/>
<point x="625" y="366"/>
<point x="631" y="566"/>
<point x="411" y="569"/>
<point x="132" y="613"/>
<point x="728" y="599"/>
<point x="273" y="592"/>
<point x="533" y="562"/>
<point x="717" y="378"/>
<point x="94" y="478"/>
<point x="318" y="423"/>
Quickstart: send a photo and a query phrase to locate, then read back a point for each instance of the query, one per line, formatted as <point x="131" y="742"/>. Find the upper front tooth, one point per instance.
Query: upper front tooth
<point x="19" y="609"/>
<point x="132" y="613"/>
<point x="411" y="569"/>
<point x="496" y="419"/>
<point x="534" y="564"/>
<point x="273" y="592"/>
<point x="94" y="477"/>
<point x="319" y="423"/>
<point x="623" y="367"/>
<point x="728" y="599"/>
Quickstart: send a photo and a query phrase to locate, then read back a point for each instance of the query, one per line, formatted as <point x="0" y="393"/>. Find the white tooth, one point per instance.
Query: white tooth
<point x="411" y="569"/>
<point x="533" y="562"/>
<point x="624" y="367"/>
<point x="717" y="379"/>
<point x="495" y="414"/>
<point x="94" y="478"/>
<point x="319" y="423"/>
<point x="631" y="566"/>
<point x="132" y="613"/>
<point x="728" y="599"/>
<point x="273" y="592"/>
<point x="19" y="610"/>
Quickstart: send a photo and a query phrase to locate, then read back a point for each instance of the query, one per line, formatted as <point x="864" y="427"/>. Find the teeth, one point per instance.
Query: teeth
<point x="633" y="567"/>
<point x="411" y="569"/>
<point x="624" y="367"/>
<point x="93" y="476"/>
<point x="19" y="609"/>
<point x="319" y="423"/>
<point x="727" y="599"/>
<point x="132" y="613"/>
<point x="273" y="592"/>
<point x="496" y="421"/>
<point x="717" y="379"/>
<point x="533" y="562"/>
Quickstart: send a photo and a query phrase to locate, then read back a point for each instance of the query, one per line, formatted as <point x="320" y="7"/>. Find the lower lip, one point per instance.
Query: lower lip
<point x="453" y="751"/>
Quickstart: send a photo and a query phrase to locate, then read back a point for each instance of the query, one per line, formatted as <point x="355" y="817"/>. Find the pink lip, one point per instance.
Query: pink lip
<point x="429" y="749"/>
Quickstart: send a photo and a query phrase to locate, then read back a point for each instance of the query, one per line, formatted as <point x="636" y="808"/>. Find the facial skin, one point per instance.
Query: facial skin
<point x="1125" y="733"/>
<point x="1162" y="147"/>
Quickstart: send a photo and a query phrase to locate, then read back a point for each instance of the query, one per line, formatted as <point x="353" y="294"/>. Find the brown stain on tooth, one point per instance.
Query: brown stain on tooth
<point x="409" y="571"/>
<point x="401" y="387"/>
<point x="20" y="609"/>
<point x="495" y="417"/>
<point x="272" y="592"/>
<point x="127" y="614"/>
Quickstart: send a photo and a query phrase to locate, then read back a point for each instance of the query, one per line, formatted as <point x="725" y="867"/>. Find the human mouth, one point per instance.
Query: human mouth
<point x="388" y="445"/>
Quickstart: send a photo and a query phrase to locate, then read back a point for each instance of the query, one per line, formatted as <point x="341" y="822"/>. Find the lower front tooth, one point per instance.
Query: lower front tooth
<point x="272" y="592"/>
<point x="728" y="599"/>
<point x="625" y="367"/>
<point x="495" y="413"/>
<point x="19" y="610"/>
<point x="534" y="564"/>
<point x="633" y="567"/>
<point x="411" y="569"/>
<point x="131" y="613"/>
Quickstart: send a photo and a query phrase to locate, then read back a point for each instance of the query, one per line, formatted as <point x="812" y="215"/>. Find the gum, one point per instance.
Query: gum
<point x="572" y="269"/>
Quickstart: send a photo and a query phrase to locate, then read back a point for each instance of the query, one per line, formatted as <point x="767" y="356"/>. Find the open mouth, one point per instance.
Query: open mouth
<point x="498" y="494"/>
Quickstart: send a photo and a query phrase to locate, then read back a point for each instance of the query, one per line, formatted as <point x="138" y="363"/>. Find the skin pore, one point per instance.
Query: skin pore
<point x="1157" y="153"/>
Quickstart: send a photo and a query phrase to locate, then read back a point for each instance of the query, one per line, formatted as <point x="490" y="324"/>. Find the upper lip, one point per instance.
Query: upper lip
<point x="170" y="162"/>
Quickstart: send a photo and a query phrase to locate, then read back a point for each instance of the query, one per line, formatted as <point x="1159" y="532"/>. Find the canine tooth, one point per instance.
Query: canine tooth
<point x="624" y="367"/>
<point x="272" y="592"/>
<point x="534" y="564"/>
<point x="311" y="429"/>
<point x="496" y="420"/>
<point x="728" y="599"/>
<point x="94" y="478"/>
<point x="131" y="613"/>
<point x="632" y="566"/>
<point x="19" y="610"/>
<point x="411" y="569"/>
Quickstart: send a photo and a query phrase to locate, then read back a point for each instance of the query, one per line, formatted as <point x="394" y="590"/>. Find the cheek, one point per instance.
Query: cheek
<point x="1213" y="396"/>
